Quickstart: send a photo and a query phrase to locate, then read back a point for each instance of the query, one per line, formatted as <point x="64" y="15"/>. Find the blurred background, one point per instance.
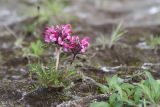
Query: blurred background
<point x="23" y="21"/>
<point x="94" y="12"/>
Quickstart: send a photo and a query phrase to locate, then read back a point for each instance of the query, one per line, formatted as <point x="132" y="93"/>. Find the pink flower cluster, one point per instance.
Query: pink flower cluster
<point x="61" y="36"/>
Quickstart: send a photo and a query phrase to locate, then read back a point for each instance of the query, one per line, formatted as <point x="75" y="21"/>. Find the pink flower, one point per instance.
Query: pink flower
<point x="84" y="44"/>
<point x="61" y="36"/>
<point x="57" y="34"/>
<point x="77" y="46"/>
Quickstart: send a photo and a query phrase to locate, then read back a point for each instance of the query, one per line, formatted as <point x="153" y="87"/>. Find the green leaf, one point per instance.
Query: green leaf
<point x="99" y="104"/>
<point x="154" y="41"/>
<point x="37" y="48"/>
<point x="112" y="98"/>
<point x="137" y="95"/>
<point x="118" y="104"/>
<point x="103" y="88"/>
<point x="117" y="34"/>
<point x="147" y="92"/>
<point x="128" y="88"/>
<point x="113" y="81"/>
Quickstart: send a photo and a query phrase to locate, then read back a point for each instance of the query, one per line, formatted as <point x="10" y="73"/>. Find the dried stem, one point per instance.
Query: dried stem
<point x="84" y="101"/>
<point x="74" y="55"/>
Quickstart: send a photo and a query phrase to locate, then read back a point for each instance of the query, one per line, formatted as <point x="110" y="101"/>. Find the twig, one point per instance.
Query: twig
<point x="84" y="101"/>
<point x="74" y="56"/>
<point x="10" y="30"/>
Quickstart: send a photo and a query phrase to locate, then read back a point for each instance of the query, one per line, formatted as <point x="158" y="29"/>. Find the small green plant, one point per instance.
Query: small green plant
<point x="48" y="76"/>
<point x="144" y="93"/>
<point x="121" y="93"/>
<point x="37" y="48"/>
<point x="154" y="42"/>
<point x="151" y="89"/>
<point x="116" y="35"/>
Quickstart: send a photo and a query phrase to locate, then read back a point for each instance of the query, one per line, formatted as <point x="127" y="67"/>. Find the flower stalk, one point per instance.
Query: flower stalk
<point x="58" y="52"/>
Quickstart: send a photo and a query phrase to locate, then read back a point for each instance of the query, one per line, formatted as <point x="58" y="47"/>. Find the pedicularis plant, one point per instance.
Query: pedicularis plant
<point x="60" y="37"/>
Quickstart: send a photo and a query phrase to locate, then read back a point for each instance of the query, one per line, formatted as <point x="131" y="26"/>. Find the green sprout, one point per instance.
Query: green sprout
<point x="116" y="35"/>
<point x="35" y="49"/>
